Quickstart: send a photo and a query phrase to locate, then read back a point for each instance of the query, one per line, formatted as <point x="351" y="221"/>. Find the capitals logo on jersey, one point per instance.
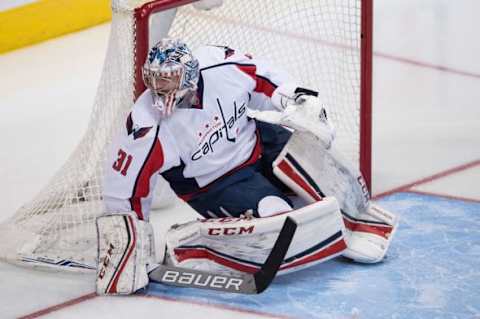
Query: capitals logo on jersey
<point x="220" y="128"/>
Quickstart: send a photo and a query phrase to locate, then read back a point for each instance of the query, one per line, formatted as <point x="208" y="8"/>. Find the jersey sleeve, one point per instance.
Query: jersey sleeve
<point x="266" y="75"/>
<point x="267" y="78"/>
<point x="134" y="161"/>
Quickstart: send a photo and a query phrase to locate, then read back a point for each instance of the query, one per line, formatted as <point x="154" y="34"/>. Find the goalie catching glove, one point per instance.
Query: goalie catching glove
<point x="301" y="110"/>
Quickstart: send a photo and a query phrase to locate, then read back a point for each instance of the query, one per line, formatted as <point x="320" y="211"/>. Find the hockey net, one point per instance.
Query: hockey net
<point x="319" y="42"/>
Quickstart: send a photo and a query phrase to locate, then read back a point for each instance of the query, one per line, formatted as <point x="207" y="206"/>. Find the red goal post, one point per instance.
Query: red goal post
<point x="366" y="58"/>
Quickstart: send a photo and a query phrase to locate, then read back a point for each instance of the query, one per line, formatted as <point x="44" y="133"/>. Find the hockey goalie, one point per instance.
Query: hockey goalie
<point x="246" y="146"/>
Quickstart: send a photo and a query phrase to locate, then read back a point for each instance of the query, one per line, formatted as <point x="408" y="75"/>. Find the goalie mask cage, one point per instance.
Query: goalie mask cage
<point x="324" y="43"/>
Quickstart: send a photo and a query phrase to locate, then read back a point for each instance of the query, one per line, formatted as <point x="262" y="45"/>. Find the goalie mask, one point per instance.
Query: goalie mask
<point x="170" y="72"/>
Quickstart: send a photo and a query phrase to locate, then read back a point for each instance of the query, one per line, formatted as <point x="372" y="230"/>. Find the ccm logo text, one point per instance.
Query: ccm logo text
<point x="229" y="231"/>
<point x="106" y="261"/>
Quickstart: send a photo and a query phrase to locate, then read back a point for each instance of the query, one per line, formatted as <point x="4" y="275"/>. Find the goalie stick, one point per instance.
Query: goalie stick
<point x="246" y="283"/>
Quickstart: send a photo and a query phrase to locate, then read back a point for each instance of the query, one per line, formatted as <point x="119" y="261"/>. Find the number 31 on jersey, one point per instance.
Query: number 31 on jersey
<point x="123" y="162"/>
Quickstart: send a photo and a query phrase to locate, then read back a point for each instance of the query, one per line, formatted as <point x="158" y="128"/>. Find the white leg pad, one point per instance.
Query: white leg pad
<point x="369" y="234"/>
<point x="313" y="172"/>
<point x="233" y="245"/>
<point x="125" y="248"/>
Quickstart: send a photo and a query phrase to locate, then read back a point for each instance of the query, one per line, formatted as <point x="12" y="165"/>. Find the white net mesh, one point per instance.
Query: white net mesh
<point x="57" y="227"/>
<point x="316" y="41"/>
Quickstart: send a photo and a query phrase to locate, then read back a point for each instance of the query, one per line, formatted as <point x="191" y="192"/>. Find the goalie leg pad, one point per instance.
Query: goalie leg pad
<point x="235" y="245"/>
<point x="314" y="172"/>
<point x="125" y="248"/>
<point x="369" y="235"/>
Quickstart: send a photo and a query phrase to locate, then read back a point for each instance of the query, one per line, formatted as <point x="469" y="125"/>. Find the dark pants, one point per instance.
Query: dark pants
<point x="241" y="191"/>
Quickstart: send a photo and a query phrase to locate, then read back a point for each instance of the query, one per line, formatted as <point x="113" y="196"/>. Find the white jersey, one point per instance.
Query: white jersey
<point x="195" y="146"/>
